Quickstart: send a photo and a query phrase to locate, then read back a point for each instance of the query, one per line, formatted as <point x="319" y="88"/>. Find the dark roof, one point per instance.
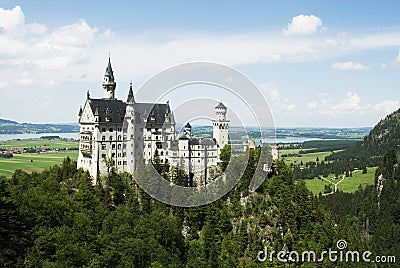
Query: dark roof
<point x="188" y="125"/>
<point x="114" y="109"/>
<point x="109" y="71"/>
<point x="155" y="112"/>
<point x="205" y="141"/>
<point x="221" y="105"/>
<point x="183" y="137"/>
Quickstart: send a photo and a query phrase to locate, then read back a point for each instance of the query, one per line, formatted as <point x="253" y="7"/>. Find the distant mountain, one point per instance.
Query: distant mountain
<point x="4" y="121"/>
<point x="12" y="127"/>
<point x="384" y="136"/>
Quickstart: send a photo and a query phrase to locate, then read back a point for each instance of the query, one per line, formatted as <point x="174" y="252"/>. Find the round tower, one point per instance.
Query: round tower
<point x="220" y="126"/>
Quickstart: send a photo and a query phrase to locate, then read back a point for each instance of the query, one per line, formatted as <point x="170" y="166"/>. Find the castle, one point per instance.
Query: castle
<point x="118" y="134"/>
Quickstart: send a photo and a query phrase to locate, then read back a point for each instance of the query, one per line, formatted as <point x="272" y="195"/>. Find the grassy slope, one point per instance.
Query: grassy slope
<point x="349" y="184"/>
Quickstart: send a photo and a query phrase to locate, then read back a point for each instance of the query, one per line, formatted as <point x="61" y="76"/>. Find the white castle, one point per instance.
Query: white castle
<point x="118" y="134"/>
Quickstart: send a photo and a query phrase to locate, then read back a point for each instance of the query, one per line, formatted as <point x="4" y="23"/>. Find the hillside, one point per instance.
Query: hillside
<point x="384" y="136"/>
<point x="13" y="127"/>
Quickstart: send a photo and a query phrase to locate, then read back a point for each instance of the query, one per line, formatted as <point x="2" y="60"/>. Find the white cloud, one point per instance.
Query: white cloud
<point x="12" y="23"/>
<point x="387" y="106"/>
<point x="312" y="105"/>
<point x="278" y="105"/>
<point x="303" y="25"/>
<point x="11" y="20"/>
<point x="349" y="65"/>
<point x="349" y="105"/>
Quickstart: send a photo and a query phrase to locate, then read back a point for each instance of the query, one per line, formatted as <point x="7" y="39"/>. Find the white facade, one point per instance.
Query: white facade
<point x="117" y="134"/>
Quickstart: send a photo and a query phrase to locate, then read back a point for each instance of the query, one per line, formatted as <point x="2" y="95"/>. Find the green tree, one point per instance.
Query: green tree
<point x="225" y="156"/>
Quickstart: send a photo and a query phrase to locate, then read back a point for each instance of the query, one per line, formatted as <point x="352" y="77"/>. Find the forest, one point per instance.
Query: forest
<point x="57" y="218"/>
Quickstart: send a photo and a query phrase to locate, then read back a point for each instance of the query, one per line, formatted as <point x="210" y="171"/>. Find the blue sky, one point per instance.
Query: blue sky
<point x="318" y="63"/>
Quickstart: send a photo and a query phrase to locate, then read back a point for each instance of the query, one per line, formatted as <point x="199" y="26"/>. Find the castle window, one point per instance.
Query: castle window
<point x="119" y="129"/>
<point x="119" y="146"/>
<point x="119" y="163"/>
<point x="198" y="154"/>
<point x="156" y="137"/>
<point x="149" y="145"/>
<point x="162" y="161"/>
<point x="103" y="138"/>
<point x="198" y="161"/>
<point x="162" y="152"/>
<point x="119" y="154"/>
<point x="159" y="145"/>
<point x="119" y="137"/>
<point x="111" y="129"/>
<point x="113" y="155"/>
<point x="113" y="146"/>
<point x="103" y="146"/>
<point x="123" y="154"/>
<point x="103" y="156"/>
<point x="111" y="138"/>
<point x="124" y="163"/>
<point x="103" y="129"/>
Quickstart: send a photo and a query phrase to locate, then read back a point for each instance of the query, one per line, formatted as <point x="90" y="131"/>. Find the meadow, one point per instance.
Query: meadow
<point x="349" y="184"/>
<point x="39" y="143"/>
<point x="36" y="162"/>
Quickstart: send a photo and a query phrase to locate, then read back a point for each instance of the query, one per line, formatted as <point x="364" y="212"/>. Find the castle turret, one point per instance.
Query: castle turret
<point x="131" y="98"/>
<point x="188" y="130"/>
<point x="109" y="84"/>
<point x="220" y="126"/>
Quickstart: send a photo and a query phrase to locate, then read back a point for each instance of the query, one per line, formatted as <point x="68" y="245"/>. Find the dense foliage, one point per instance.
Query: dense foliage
<point x="369" y="219"/>
<point x="57" y="218"/>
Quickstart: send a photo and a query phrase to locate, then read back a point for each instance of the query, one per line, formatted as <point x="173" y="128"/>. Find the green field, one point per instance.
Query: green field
<point x="309" y="157"/>
<point x="349" y="184"/>
<point x="31" y="162"/>
<point x="39" y="143"/>
<point x="39" y="161"/>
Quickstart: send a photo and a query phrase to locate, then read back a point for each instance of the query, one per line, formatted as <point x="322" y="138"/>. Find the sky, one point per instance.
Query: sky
<point x="317" y="63"/>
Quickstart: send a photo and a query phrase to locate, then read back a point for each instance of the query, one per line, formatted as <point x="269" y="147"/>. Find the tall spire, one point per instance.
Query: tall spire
<point x="109" y="72"/>
<point x="131" y="98"/>
<point x="109" y="82"/>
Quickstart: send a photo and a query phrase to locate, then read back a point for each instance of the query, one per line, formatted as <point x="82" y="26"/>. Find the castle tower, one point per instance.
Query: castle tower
<point x="188" y="130"/>
<point x="220" y="126"/>
<point x="109" y="83"/>
<point x="129" y="127"/>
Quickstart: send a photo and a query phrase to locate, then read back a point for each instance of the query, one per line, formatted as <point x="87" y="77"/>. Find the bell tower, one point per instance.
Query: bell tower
<point x="108" y="82"/>
<point x="220" y="126"/>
